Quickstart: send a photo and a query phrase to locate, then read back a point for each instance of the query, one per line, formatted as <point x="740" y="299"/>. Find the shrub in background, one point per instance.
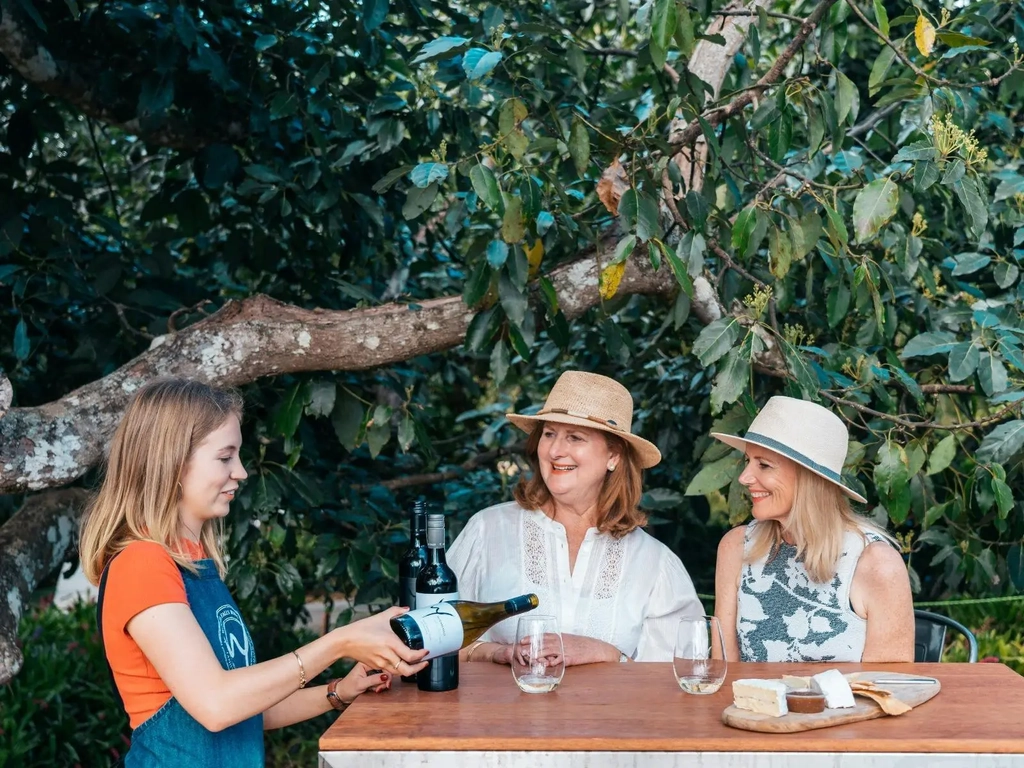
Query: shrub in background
<point x="60" y="712"/>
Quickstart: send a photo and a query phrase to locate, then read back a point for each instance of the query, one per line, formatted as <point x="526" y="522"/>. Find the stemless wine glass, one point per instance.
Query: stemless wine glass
<point x="538" y="660"/>
<point x="698" y="640"/>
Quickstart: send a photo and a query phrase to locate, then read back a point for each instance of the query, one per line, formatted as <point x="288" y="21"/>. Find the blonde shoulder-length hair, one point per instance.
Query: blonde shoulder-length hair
<point x="138" y="500"/>
<point x="619" y="500"/>
<point x="820" y="517"/>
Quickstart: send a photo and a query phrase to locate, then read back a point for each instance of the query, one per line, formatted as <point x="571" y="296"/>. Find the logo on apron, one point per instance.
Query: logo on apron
<point x="235" y="642"/>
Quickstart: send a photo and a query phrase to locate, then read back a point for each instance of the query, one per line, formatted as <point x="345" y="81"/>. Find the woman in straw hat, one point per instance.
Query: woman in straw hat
<point x="573" y="535"/>
<point x="807" y="579"/>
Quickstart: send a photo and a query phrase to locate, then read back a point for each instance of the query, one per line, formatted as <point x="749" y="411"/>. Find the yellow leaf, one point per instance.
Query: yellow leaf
<point x="534" y="254"/>
<point x="924" y="35"/>
<point x="610" y="278"/>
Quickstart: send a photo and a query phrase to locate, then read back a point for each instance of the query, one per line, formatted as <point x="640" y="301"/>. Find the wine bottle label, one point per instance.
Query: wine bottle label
<point x="439" y="623"/>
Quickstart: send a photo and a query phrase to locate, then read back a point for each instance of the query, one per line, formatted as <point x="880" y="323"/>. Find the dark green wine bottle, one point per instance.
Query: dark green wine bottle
<point x="437" y="583"/>
<point x="412" y="561"/>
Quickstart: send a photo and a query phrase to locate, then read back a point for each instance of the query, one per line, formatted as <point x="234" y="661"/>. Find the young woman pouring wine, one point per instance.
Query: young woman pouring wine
<point x="182" y="659"/>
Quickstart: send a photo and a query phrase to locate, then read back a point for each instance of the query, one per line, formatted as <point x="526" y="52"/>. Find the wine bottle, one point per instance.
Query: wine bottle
<point x="412" y="561"/>
<point x="437" y="583"/>
<point x="448" y="627"/>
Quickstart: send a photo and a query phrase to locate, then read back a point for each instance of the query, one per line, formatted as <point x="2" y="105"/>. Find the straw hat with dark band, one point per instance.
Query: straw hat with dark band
<point x="594" y="401"/>
<point x="805" y="432"/>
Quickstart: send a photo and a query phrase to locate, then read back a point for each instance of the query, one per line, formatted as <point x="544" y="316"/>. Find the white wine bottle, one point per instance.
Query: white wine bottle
<point x="447" y="627"/>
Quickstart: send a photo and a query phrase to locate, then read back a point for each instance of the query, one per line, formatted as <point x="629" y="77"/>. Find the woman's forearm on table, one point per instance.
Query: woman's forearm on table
<point x="479" y="651"/>
<point x="301" y="705"/>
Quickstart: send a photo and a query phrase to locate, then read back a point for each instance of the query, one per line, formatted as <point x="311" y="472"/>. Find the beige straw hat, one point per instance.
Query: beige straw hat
<point x="594" y="401"/>
<point x="809" y="434"/>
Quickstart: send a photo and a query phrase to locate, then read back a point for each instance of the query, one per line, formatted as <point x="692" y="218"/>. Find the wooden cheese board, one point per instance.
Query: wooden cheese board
<point x="911" y="694"/>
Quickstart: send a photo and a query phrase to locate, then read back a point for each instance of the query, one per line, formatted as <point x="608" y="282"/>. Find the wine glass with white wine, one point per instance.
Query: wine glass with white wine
<point x="699" y="658"/>
<point x="538" y="658"/>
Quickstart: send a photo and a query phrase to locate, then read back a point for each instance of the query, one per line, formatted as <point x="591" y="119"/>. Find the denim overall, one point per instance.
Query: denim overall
<point x="172" y="738"/>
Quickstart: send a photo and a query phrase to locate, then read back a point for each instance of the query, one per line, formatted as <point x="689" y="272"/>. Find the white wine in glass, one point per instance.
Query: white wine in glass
<point x="699" y="660"/>
<point x="538" y="658"/>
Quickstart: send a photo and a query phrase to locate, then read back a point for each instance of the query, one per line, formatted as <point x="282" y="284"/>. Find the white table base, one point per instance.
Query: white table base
<point x="664" y="760"/>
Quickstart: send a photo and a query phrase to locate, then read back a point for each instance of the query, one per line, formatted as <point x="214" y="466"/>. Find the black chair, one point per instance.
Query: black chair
<point x="930" y="636"/>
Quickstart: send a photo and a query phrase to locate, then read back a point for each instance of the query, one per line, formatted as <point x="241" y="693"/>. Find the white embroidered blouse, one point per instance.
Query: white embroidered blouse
<point x="629" y="592"/>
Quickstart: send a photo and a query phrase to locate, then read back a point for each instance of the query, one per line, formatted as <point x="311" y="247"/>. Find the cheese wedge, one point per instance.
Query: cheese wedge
<point x="766" y="697"/>
<point x="838" y="694"/>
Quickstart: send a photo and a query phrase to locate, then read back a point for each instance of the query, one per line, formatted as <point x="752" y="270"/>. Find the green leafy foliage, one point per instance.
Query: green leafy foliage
<point x="361" y="153"/>
<point x="874" y="207"/>
<point x="46" y="722"/>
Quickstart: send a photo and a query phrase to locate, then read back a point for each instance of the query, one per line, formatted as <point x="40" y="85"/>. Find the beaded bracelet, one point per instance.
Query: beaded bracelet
<point x="302" y="670"/>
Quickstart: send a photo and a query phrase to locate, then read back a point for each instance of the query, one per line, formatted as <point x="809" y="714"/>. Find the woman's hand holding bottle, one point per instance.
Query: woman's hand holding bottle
<point x="373" y="642"/>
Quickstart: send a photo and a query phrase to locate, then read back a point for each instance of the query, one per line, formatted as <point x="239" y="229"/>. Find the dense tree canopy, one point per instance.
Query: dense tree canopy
<point x="394" y="221"/>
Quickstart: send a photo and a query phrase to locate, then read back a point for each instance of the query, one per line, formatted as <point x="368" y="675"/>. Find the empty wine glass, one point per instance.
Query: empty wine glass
<point x="699" y="659"/>
<point x="538" y="660"/>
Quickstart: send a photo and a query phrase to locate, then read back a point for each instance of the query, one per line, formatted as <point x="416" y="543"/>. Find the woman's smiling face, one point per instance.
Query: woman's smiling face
<point x="770" y="479"/>
<point x="211" y="476"/>
<point x="574" y="462"/>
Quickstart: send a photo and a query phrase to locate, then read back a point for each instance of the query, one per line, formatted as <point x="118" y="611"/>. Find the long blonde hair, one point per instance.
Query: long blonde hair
<point x="820" y="517"/>
<point x="138" y="501"/>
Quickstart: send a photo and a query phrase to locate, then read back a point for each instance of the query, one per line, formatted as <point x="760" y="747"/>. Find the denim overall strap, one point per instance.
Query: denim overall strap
<point x="100" y="597"/>
<point x="171" y="736"/>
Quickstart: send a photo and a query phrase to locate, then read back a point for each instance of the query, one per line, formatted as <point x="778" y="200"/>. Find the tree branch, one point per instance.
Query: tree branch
<point x="948" y="389"/>
<point x="717" y="116"/>
<point x="806" y="181"/>
<point x="33" y="543"/>
<point x="710" y="62"/>
<point x="769" y="14"/>
<point x="106" y="176"/>
<point x="995" y="418"/>
<point x="629" y="54"/>
<point x="873" y="119"/>
<point x="53" y="444"/>
<point x="939" y="82"/>
<point x="721" y="253"/>
<point x="429" y="478"/>
<point x="6" y="394"/>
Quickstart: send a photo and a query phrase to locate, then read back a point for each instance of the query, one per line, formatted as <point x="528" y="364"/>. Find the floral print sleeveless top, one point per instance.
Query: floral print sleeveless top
<point x="783" y="615"/>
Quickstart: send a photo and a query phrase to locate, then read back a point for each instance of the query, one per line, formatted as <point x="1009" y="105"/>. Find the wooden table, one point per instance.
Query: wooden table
<point x="619" y="715"/>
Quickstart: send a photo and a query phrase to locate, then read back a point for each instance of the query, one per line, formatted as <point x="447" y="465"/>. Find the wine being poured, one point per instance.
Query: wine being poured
<point x="447" y="627"/>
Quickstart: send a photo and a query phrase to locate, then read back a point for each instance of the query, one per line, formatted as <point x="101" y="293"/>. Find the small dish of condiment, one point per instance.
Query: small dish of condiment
<point x="805" y="702"/>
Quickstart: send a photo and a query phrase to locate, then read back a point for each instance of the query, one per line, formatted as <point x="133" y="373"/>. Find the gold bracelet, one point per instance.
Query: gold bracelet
<point x="302" y="670"/>
<point x="473" y="647"/>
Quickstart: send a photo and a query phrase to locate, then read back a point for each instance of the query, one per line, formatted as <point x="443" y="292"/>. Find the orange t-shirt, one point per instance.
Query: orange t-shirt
<point x="141" y="576"/>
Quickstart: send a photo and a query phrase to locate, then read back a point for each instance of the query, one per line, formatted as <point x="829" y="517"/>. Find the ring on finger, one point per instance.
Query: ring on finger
<point x="397" y="665"/>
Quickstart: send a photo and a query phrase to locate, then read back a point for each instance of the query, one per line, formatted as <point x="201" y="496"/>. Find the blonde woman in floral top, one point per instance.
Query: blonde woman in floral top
<point x="808" y="579"/>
